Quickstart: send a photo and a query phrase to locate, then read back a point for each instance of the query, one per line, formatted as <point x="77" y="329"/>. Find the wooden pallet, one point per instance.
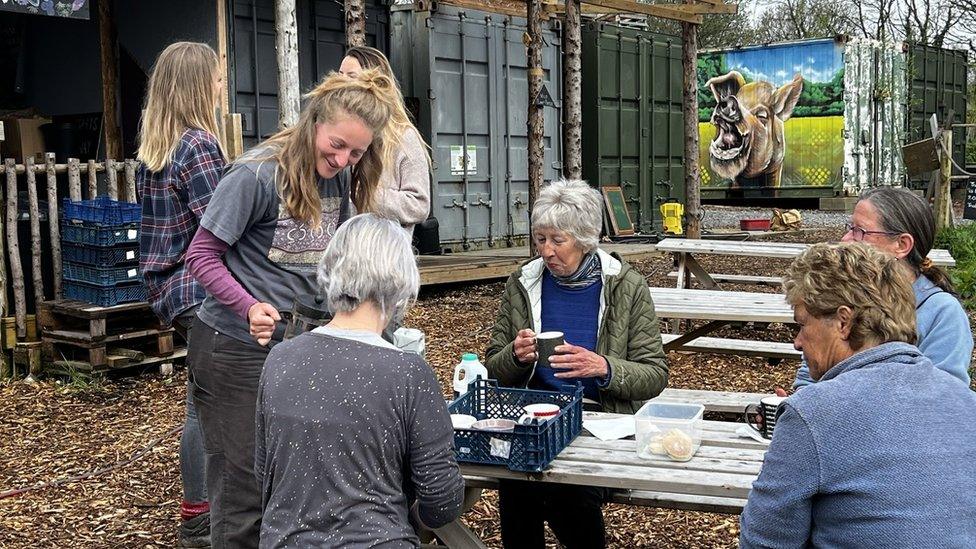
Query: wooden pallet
<point x="71" y="327"/>
<point x="67" y="367"/>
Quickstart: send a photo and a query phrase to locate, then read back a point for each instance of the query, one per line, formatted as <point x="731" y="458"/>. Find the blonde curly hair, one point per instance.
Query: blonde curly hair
<point x="864" y="279"/>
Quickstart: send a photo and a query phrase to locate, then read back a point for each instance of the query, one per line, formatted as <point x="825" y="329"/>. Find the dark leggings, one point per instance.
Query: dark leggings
<point x="573" y="512"/>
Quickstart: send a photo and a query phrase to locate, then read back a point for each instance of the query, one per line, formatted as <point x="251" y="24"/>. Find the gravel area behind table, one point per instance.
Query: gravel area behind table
<point x="724" y="217"/>
<point x="48" y="433"/>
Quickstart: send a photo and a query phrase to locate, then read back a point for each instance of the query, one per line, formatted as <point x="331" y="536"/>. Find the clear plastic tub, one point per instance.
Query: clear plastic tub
<point x="668" y="429"/>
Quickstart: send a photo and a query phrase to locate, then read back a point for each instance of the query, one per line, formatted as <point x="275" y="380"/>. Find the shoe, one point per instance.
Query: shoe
<point x="195" y="532"/>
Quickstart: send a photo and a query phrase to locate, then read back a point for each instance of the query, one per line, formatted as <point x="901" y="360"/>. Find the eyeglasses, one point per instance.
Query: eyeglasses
<point x="860" y="233"/>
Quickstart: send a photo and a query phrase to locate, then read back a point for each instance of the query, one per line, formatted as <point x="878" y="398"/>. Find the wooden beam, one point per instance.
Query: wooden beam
<point x="665" y="12"/>
<point x="222" y="55"/>
<point x="110" y="77"/>
<point x="286" y="46"/>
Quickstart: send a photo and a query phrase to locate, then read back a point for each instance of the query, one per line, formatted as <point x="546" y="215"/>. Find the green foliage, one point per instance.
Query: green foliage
<point x="961" y="243"/>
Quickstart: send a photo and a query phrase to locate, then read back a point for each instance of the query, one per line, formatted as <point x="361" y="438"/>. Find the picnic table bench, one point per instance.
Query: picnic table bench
<point x="721" y="308"/>
<point x="684" y="251"/>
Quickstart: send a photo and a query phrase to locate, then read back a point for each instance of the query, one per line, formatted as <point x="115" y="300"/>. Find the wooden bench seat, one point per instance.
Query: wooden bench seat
<point x="718" y="345"/>
<point x="740" y="279"/>
<point x="644" y="498"/>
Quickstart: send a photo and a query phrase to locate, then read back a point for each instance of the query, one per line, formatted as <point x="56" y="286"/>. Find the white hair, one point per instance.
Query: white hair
<point x="573" y="207"/>
<point x="369" y="259"/>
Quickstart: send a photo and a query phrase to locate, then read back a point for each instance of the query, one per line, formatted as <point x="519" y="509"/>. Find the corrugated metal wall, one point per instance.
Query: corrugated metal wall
<point x="874" y="111"/>
<point x="937" y="83"/>
<point x="321" y="44"/>
<point x="633" y="134"/>
<point x="464" y="73"/>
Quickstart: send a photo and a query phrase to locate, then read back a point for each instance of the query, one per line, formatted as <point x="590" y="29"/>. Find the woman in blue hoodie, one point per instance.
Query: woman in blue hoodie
<point x="897" y="221"/>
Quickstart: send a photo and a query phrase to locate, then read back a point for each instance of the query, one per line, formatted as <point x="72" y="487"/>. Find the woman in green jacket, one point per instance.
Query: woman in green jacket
<point x="612" y="346"/>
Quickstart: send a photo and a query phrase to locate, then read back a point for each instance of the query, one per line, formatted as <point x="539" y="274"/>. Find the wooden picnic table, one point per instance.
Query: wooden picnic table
<point x="717" y="479"/>
<point x="685" y="249"/>
<point x="721" y="308"/>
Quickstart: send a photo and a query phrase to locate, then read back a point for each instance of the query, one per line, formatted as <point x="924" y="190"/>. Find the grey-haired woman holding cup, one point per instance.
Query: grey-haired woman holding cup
<point x="612" y="346"/>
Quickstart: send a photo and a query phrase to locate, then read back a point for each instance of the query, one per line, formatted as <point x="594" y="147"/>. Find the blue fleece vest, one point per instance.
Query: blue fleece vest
<point x="575" y="313"/>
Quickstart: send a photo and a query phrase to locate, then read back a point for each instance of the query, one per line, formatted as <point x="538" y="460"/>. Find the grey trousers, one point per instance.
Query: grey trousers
<point x="226" y="373"/>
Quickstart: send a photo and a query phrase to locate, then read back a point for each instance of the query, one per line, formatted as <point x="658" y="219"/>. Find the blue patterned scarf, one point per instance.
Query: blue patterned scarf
<point x="588" y="273"/>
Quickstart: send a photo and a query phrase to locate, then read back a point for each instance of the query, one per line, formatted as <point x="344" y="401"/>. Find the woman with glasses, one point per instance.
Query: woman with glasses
<point x="899" y="222"/>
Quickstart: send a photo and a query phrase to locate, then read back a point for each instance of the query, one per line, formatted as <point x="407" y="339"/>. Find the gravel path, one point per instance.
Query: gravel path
<point x="724" y="217"/>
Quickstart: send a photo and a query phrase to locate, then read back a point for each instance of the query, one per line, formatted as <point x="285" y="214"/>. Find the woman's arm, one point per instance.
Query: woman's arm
<point x="499" y="358"/>
<point x="643" y="373"/>
<point x="408" y="200"/>
<point x="778" y="513"/>
<point x="203" y="259"/>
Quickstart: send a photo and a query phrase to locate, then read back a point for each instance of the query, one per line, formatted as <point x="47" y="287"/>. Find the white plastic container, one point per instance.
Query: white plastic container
<point x="468" y="370"/>
<point x="668" y="429"/>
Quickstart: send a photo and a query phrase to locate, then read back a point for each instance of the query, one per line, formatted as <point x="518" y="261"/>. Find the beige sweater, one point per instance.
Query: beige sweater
<point x="404" y="194"/>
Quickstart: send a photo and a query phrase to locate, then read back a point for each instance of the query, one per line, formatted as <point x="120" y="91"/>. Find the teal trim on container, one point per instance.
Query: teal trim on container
<point x="633" y="133"/>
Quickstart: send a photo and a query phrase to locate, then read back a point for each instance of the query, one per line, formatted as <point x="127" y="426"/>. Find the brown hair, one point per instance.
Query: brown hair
<point x="180" y="95"/>
<point x="400" y="123"/>
<point x="870" y="282"/>
<point x="903" y="212"/>
<point x="369" y="97"/>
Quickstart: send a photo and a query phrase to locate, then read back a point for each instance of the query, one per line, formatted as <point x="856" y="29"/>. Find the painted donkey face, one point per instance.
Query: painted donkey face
<point x="749" y="120"/>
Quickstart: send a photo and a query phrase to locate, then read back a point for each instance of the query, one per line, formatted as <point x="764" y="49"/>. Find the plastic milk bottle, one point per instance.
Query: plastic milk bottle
<point x="468" y="370"/>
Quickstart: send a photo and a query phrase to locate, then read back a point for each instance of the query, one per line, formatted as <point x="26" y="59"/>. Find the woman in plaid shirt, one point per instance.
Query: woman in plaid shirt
<point x="182" y="160"/>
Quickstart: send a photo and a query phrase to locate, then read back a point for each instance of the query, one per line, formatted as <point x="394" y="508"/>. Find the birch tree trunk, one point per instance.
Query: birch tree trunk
<point x="689" y="64"/>
<point x="13" y="245"/>
<point x="572" y="100"/>
<point x="286" y="46"/>
<point x="53" y="221"/>
<point x="35" y="230"/>
<point x="535" y="119"/>
<point x="355" y="23"/>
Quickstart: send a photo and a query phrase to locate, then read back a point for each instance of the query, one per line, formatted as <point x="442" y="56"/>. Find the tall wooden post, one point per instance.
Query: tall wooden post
<point x="13" y="245"/>
<point x="533" y="39"/>
<point x="110" y="72"/>
<point x="943" y="192"/>
<point x="35" y="230"/>
<point x="286" y="46"/>
<point x="572" y="94"/>
<point x="355" y="22"/>
<point x="53" y="220"/>
<point x="222" y="55"/>
<point x="689" y="65"/>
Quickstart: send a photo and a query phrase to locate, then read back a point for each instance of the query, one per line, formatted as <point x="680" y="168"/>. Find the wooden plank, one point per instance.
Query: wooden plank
<point x="85" y="310"/>
<point x="781" y="250"/>
<point x="718" y="305"/>
<point x="671" y="11"/>
<point x="747" y="347"/>
<point x="714" y="401"/>
<point x="79" y="338"/>
<point x="455" y="534"/>
<point x="177" y="356"/>
<point x="739" y="279"/>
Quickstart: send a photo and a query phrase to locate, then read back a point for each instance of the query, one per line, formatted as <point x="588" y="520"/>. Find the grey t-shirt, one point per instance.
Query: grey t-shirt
<point x="272" y="255"/>
<point x="344" y="425"/>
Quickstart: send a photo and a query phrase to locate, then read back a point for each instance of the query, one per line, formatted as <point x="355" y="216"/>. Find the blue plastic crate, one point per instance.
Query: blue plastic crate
<point x="95" y="235"/>
<point x="102" y="210"/>
<point x="100" y="257"/>
<point x="527" y="447"/>
<point x="101" y="276"/>
<point x="104" y="296"/>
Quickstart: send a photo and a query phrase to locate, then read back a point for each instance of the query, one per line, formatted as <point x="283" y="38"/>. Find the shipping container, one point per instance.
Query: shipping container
<point x="937" y="80"/>
<point x="633" y="126"/>
<point x="807" y="119"/>
<point x="463" y="73"/>
<point x="321" y="47"/>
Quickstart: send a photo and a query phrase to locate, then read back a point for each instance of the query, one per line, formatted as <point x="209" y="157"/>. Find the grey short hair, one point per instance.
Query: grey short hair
<point x="369" y="259"/>
<point x="573" y="207"/>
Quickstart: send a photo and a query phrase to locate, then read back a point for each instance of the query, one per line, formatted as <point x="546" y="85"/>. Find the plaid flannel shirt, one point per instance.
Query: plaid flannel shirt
<point x="173" y="201"/>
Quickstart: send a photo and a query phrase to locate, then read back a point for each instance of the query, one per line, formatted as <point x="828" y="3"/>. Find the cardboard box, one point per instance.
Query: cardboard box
<point x="22" y="137"/>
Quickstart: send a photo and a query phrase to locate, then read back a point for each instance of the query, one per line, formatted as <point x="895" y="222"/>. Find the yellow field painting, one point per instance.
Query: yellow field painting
<point x="814" y="152"/>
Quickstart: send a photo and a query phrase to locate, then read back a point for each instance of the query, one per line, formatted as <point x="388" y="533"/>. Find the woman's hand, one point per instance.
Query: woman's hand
<point x="524" y="346"/>
<point x="573" y="362"/>
<point x="262" y="317"/>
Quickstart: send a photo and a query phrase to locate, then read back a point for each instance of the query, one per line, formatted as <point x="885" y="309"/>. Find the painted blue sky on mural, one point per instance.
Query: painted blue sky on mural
<point x="817" y="61"/>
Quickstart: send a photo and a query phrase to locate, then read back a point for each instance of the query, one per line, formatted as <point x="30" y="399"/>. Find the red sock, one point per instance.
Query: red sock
<point x="189" y="510"/>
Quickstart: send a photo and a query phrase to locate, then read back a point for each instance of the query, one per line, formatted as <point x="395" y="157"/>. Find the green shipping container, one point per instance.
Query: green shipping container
<point x="937" y="83"/>
<point x="632" y="120"/>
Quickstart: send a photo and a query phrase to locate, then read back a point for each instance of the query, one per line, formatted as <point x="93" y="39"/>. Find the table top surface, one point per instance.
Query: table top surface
<point x="753" y="248"/>
<point x="721" y="305"/>
<point x="724" y="466"/>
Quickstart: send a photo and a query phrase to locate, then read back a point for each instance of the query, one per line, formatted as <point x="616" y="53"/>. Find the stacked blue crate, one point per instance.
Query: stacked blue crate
<point x="100" y="251"/>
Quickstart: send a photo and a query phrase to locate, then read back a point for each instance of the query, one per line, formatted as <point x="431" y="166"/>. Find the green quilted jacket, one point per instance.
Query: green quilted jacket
<point x="628" y="336"/>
